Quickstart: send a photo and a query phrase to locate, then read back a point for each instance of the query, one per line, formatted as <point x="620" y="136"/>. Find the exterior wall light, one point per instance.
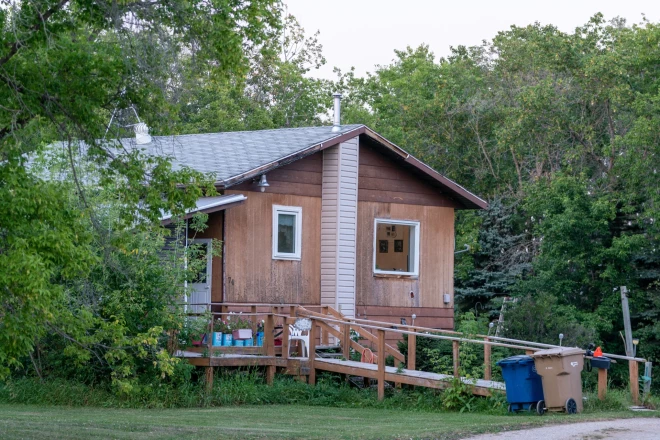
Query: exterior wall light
<point x="263" y="183"/>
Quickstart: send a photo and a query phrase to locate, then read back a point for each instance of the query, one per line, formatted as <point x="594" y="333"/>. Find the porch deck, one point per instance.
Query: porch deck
<point x="331" y="325"/>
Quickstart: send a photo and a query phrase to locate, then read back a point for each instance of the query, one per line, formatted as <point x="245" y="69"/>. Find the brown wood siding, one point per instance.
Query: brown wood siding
<point x="251" y="274"/>
<point x="381" y="179"/>
<point x="302" y="178"/>
<point x="213" y="230"/>
<point x="436" y="255"/>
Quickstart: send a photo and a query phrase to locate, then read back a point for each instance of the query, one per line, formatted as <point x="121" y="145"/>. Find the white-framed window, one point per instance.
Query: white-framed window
<point x="287" y="232"/>
<point x="396" y="247"/>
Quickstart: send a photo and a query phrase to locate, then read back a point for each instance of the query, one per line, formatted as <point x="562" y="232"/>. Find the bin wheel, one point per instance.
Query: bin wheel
<point x="571" y="406"/>
<point x="540" y="407"/>
<point x="509" y="408"/>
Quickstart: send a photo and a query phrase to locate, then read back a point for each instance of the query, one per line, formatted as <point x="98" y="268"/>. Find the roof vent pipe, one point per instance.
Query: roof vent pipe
<point x="336" y="126"/>
<point x="142" y="134"/>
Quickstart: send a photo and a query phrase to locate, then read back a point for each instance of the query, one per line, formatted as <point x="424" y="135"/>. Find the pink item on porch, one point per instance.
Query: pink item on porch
<point x="242" y="333"/>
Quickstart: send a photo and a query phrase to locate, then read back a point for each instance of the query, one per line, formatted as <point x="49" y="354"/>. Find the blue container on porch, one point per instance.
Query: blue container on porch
<point x="260" y="339"/>
<point x="226" y="339"/>
<point x="248" y="342"/>
<point x="238" y="342"/>
<point x="524" y="389"/>
<point x="217" y="339"/>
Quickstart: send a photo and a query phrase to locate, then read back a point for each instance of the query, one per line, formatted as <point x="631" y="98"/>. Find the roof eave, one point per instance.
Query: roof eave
<point x="235" y="200"/>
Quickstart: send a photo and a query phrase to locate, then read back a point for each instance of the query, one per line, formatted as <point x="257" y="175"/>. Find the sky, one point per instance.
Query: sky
<point x="365" y="33"/>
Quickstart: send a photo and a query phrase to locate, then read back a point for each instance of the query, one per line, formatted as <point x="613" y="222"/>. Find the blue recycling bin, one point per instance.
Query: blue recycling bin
<point x="524" y="389"/>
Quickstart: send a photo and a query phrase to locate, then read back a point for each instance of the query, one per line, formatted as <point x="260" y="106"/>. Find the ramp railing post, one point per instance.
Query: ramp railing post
<point x="487" y="367"/>
<point x="455" y="345"/>
<point x="325" y="336"/>
<point x="285" y="340"/>
<point x="381" y="364"/>
<point x="634" y="381"/>
<point x="269" y="342"/>
<point x="312" y="353"/>
<point x="412" y="351"/>
<point x="602" y="383"/>
<point x="346" y="341"/>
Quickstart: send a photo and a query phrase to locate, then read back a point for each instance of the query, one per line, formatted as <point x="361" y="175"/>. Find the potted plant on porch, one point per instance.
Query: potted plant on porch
<point x="194" y="331"/>
<point x="219" y="330"/>
<point x="242" y="329"/>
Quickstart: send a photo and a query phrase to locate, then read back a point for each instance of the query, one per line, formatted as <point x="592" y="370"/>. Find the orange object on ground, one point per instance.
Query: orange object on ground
<point x="598" y="352"/>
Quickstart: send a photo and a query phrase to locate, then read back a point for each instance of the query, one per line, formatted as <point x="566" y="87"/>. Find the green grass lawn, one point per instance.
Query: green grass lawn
<point x="276" y="421"/>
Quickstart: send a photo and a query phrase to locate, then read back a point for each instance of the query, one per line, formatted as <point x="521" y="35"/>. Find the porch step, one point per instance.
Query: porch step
<point x="329" y="351"/>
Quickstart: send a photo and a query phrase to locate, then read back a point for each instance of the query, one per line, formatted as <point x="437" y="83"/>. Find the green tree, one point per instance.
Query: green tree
<point x="64" y="67"/>
<point x="502" y="257"/>
<point x="275" y="91"/>
<point x="564" y="126"/>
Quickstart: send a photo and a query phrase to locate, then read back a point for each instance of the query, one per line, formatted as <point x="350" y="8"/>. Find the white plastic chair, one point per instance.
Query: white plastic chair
<point x="295" y="334"/>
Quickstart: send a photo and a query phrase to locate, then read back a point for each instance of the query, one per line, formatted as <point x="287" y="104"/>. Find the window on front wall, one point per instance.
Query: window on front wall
<point x="287" y="232"/>
<point x="396" y="247"/>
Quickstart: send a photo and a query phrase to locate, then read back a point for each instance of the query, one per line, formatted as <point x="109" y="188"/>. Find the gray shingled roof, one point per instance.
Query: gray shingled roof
<point x="231" y="154"/>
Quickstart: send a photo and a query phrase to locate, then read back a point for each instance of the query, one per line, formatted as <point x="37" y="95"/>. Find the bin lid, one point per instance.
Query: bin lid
<point x="519" y="359"/>
<point x="559" y="351"/>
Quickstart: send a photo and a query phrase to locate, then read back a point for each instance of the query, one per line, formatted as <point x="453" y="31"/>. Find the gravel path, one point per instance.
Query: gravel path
<point x="637" y="429"/>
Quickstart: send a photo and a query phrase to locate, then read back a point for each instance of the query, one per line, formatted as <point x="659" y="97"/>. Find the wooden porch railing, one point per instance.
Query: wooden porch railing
<point x="327" y="323"/>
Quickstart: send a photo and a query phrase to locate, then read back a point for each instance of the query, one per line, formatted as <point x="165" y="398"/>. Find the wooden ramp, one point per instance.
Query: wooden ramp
<point x="409" y="377"/>
<point x="301" y="367"/>
<point x="349" y="338"/>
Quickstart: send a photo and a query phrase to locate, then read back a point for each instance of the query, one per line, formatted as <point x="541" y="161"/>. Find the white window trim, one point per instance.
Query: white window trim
<point x="417" y="244"/>
<point x="297" y="211"/>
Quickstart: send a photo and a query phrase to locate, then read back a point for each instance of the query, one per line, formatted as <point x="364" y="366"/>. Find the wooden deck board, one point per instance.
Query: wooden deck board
<point x="410" y="377"/>
<point x="300" y="366"/>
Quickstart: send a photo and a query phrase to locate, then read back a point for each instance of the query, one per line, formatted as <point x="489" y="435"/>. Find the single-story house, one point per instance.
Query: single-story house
<point x="334" y="215"/>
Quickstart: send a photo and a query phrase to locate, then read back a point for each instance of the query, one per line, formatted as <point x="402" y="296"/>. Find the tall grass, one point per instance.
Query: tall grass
<point x="237" y="388"/>
<point x="247" y="387"/>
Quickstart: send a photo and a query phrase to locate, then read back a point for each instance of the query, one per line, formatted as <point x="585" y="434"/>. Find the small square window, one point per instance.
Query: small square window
<point x="396" y="247"/>
<point x="287" y="232"/>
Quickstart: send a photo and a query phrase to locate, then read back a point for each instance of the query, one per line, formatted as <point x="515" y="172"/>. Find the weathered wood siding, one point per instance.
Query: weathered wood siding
<point x="302" y="178"/>
<point x="436" y="257"/>
<point x="387" y="191"/>
<point x="383" y="179"/>
<point x="213" y="230"/>
<point x="251" y="274"/>
<point x="338" y="226"/>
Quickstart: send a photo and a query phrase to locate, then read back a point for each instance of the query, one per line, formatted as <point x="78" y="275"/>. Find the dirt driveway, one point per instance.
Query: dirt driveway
<point x="637" y="429"/>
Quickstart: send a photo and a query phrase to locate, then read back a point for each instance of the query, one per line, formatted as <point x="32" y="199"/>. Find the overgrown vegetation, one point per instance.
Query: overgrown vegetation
<point x="84" y="291"/>
<point x="559" y="131"/>
<point x="237" y="388"/>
